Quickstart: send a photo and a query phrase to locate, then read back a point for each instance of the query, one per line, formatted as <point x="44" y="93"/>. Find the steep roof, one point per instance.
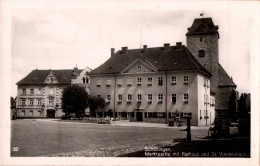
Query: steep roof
<point x="202" y="26"/>
<point x="37" y="77"/>
<point x="223" y="78"/>
<point x="164" y="60"/>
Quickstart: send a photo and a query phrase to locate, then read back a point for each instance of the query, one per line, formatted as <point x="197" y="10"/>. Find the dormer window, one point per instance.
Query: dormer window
<point x="201" y="53"/>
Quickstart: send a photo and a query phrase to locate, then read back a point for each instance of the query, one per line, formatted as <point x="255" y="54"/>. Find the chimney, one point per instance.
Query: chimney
<point x="167" y="46"/>
<point x="124" y="50"/>
<point x="144" y="48"/>
<point x="178" y="45"/>
<point x="112" y="51"/>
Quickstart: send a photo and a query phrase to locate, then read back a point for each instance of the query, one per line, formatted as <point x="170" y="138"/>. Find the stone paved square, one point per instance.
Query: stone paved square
<point x="53" y="138"/>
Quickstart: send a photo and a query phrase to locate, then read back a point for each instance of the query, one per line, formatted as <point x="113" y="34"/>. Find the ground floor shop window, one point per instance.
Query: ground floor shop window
<point x="161" y="115"/>
<point x="149" y="115"/>
<point x="155" y="114"/>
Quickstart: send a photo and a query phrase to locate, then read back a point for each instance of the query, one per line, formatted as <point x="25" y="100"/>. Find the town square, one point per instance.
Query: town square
<point x="130" y="83"/>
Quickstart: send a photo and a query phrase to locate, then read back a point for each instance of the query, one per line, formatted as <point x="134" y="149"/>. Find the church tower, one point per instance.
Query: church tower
<point x="202" y="42"/>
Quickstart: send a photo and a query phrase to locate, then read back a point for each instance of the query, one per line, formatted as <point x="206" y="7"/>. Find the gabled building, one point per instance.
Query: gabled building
<point x="40" y="92"/>
<point x="154" y="85"/>
<point x="157" y="84"/>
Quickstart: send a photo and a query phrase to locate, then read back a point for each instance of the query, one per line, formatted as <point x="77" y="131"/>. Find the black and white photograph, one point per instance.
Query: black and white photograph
<point x="130" y="82"/>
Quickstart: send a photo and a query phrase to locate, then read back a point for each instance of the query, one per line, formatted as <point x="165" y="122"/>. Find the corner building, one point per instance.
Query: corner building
<point x="154" y="85"/>
<point x="39" y="93"/>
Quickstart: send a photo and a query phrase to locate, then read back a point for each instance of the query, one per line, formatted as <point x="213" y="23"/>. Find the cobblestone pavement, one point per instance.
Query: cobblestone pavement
<point x="49" y="137"/>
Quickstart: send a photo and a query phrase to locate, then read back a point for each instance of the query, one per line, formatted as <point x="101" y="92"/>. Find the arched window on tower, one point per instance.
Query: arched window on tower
<point x="87" y="80"/>
<point x="84" y="79"/>
<point x="201" y="53"/>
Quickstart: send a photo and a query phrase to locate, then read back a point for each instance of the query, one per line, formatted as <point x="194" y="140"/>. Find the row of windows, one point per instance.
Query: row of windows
<point x="40" y="91"/>
<point x="149" y="81"/>
<point x="31" y="102"/>
<point x="148" y="114"/>
<point x="31" y="112"/>
<point x="38" y="102"/>
<point x="149" y="97"/>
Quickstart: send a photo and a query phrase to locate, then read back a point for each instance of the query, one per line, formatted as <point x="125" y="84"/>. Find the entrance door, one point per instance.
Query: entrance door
<point x="50" y="113"/>
<point x="139" y="116"/>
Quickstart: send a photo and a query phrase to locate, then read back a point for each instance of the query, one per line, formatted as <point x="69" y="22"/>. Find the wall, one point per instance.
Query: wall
<point x="223" y="98"/>
<point x="144" y="89"/>
<point x="79" y="79"/>
<point x="204" y="101"/>
<point x="211" y="47"/>
<point x="57" y="94"/>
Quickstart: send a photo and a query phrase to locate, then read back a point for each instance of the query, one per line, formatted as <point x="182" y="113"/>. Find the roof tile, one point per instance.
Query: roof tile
<point x="164" y="60"/>
<point x="37" y="77"/>
<point x="202" y="26"/>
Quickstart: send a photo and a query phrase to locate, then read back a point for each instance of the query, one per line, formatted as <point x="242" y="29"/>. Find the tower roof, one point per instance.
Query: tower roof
<point x="202" y="26"/>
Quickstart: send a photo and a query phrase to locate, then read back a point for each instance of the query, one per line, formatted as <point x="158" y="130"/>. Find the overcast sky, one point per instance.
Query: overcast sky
<point x="60" y="38"/>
